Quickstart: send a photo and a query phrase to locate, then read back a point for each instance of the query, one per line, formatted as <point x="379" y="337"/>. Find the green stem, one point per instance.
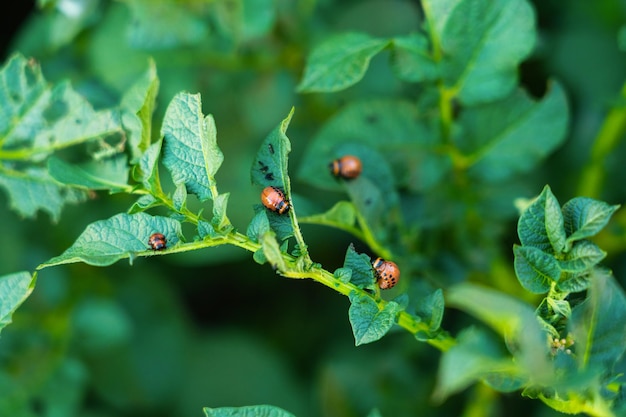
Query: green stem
<point x="609" y="136"/>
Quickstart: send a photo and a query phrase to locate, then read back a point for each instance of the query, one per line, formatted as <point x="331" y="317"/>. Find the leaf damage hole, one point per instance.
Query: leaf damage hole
<point x="271" y="148"/>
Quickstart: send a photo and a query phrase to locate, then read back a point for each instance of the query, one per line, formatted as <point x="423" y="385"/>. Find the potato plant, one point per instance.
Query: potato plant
<point x="501" y="292"/>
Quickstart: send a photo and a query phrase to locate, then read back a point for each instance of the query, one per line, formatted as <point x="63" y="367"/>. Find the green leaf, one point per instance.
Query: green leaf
<point x="361" y="267"/>
<point x="339" y="62"/>
<point x="598" y="325"/>
<point x="258" y="17"/>
<point x="342" y="215"/>
<point x="475" y="356"/>
<point x="247" y="411"/>
<point x="535" y="269"/>
<point x="430" y="310"/>
<point x="514" y="134"/>
<point x="105" y="242"/>
<point x="190" y="150"/>
<point x="514" y="320"/>
<point x="390" y="136"/>
<point x="220" y="221"/>
<point x="137" y="107"/>
<point x="103" y="174"/>
<point x="585" y="217"/>
<point x="574" y="282"/>
<point x="583" y="256"/>
<point x="370" y="322"/>
<point x="271" y="250"/>
<point x="258" y="226"/>
<point x="541" y="224"/>
<point x="34" y="189"/>
<point x="147" y="171"/>
<point x="411" y="58"/>
<point x="483" y="42"/>
<point x="14" y="290"/>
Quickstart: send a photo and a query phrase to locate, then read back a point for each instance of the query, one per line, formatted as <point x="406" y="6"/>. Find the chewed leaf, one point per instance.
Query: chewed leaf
<point x="270" y="166"/>
<point x="44" y="118"/>
<point x="34" y="189"/>
<point x="339" y="62"/>
<point x="14" y="289"/>
<point x="190" y="151"/>
<point x="247" y="411"/>
<point x="122" y="236"/>
<point x="369" y="322"/>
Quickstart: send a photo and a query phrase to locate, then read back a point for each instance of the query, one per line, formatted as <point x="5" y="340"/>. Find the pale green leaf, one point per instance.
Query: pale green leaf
<point x="103" y="174"/>
<point x="34" y="189"/>
<point x="14" y="290"/>
<point x="339" y="62"/>
<point x="247" y="411"/>
<point x="137" y="107"/>
<point x="105" y="242"/>
<point x="190" y="150"/>
<point x="271" y="250"/>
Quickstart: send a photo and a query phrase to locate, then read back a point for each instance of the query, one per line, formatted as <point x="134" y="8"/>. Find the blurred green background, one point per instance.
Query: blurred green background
<point x="172" y="334"/>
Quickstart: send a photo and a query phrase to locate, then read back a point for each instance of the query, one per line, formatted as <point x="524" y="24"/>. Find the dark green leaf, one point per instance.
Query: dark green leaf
<point x="541" y="224"/>
<point x="343" y="274"/>
<point x="583" y="256"/>
<point x="584" y="217"/>
<point x="535" y="269"/>
<point x="411" y="58"/>
<point x="191" y="153"/>
<point x="103" y="174"/>
<point x="14" y="290"/>
<point x="124" y="235"/>
<point x="247" y="411"/>
<point x="339" y="62"/>
<point x="514" y="134"/>
<point x="370" y="322"/>
<point x="599" y="324"/>
<point x="258" y="226"/>
<point x="483" y="42"/>
<point x="575" y="282"/>
<point x="270" y="167"/>
<point x="361" y="267"/>
<point x="388" y="136"/>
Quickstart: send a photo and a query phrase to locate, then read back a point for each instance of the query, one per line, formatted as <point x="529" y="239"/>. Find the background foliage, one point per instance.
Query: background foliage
<point x="172" y="334"/>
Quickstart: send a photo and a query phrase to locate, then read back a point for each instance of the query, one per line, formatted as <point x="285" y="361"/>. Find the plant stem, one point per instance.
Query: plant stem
<point x="609" y="136"/>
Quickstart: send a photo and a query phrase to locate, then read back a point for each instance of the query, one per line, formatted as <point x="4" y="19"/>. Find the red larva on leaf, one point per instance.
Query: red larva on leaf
<point x="157" y="241"/>
<point x="387" y="273"/>
<point x="347" y="167"/>
<point x="274" y="199"/>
